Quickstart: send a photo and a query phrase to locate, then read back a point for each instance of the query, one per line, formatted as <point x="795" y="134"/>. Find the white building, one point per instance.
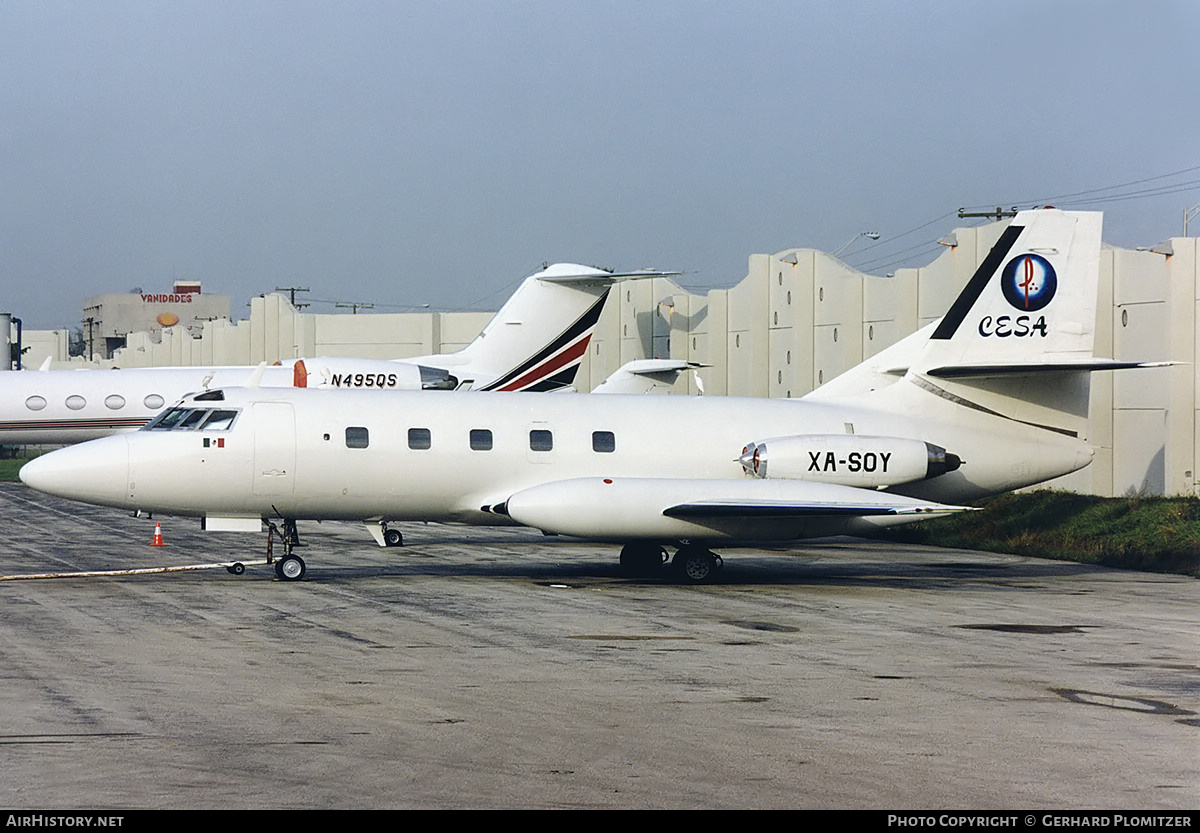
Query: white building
<point x="109" y="319"/>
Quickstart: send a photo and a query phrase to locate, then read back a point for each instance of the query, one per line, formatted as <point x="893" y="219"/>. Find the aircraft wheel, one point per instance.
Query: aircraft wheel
<point x="642" y="560"/>
<point x="393" y="538"/>
<point x="290" y="568"/>
<point x="237" y="568"/>
<point x="695" y="565"/>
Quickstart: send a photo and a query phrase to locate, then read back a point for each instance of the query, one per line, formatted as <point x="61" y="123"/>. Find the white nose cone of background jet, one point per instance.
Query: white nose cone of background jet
<point x="93" y="472"/>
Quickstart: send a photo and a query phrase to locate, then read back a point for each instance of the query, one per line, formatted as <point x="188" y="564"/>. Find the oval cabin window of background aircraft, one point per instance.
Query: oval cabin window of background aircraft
<point x="115" y="402"/>
<point x="76" y="402"/>
<point x="541" y="440"/>
<point x="153" y="401"/>
<point x="35" y="403"/>
<point x="357" y="437"/>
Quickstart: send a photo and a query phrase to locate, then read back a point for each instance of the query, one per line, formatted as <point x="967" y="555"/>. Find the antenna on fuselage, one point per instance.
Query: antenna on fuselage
<point x="255" y="379"/>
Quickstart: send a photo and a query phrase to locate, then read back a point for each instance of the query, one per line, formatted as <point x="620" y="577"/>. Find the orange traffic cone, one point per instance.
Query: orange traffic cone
<point x="158" y="541"/>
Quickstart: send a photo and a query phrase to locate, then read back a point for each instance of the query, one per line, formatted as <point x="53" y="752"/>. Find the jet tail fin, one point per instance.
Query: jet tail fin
<point x="538" y="338"/>
<point x="646" y="376"/>
<point x="1018" y="341"/>
<point x="1031" y="301"/>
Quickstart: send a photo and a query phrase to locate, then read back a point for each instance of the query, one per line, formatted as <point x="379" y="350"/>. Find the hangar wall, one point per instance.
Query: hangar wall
<point x="796" y="320"/>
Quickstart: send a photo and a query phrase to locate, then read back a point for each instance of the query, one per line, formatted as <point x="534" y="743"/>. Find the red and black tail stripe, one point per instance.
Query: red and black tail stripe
<point x="555" y="365"/>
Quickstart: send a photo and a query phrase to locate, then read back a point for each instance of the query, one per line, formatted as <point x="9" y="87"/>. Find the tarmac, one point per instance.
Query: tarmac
<point x="498" y="668"/>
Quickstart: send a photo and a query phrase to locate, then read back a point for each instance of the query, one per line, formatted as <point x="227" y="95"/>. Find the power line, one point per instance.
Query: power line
<point x="1151" y="192"/>
<point x="1086" y="197"/>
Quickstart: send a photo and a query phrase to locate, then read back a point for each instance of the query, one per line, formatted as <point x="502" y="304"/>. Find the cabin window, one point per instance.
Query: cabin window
<point x="419" y="439"/>
<point x="357" y="437"/>
<point x="541" y="440"/>
<point x="76" y="402"/>
<point x="153" y="401"/>
<point x="220" y="421"/>
<point x="604" y="441"/>
<point x="35" y="403"/>
<point x="481" y="439"/>
<point x="115" y="402"/>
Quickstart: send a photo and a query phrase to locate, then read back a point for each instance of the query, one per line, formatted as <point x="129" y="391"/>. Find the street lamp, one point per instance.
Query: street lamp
<point x="1189" y="214"/>
<point x="874" y="235"/>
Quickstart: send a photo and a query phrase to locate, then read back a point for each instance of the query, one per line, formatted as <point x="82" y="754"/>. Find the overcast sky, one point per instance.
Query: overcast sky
<point x="412" y="153"/>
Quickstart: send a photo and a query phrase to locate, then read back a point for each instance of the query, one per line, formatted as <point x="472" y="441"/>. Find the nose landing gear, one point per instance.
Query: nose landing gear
<point x="290" y="567"/>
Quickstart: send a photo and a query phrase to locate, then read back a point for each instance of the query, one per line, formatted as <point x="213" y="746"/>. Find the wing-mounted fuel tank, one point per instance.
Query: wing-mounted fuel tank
<point x="369" y="373"/>
<point x="847" y="459"/>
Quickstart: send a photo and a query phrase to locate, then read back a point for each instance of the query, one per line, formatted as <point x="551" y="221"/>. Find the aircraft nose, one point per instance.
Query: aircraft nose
<point x="91" y="472"/>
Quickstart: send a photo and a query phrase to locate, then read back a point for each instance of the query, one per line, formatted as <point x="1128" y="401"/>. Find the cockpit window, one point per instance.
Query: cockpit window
<point x="166" y="420"/>
<point x="191" y="419"/>
<point x="218" y="421"/>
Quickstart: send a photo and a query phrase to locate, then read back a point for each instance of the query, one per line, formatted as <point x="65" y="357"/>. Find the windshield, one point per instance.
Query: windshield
<point x="191" y="419"/>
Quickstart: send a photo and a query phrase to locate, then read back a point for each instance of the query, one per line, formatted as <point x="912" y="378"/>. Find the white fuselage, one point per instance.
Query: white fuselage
<point x="313" y="454"/>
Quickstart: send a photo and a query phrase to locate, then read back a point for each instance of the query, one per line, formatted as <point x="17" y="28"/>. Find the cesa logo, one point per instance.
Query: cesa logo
<point x="1028" y="282"/>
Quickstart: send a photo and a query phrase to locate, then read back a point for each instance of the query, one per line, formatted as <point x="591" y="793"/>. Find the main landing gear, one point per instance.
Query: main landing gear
<point x="391" y="537"/>
<point x="290" y="567"/>
<point x="692" y="564"/>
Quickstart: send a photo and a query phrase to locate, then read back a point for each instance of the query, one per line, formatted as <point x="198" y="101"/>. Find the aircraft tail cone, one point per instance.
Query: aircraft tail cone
<point x="158" y="541"/>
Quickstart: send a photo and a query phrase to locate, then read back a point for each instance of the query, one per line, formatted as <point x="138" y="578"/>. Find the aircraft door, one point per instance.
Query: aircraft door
<point x="274" y="448"/>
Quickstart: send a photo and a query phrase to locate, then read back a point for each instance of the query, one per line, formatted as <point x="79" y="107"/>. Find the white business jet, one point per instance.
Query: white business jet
<point x="991" y="398"/>
<point x="534" y="343"/>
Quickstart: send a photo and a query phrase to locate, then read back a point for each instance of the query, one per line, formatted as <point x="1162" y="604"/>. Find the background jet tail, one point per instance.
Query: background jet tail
<point x="646" y="376"/>
<point x="538" y="338"/>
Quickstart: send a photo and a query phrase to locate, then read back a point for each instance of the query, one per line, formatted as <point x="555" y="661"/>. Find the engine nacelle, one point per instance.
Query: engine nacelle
<point x="369" y="373"/>
<point x="847" y="459"/>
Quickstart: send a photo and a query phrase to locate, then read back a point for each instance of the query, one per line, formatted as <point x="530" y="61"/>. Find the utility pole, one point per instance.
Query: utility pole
<point x="354" y="307"/>
<point x="292" y="290"/>
<point x="89" y="321"/>
<point x="998" y="214"/>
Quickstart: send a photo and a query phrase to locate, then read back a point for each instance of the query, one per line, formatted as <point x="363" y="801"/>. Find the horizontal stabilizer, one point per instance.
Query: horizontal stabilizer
<point x="573" y="273"/>
<point x="996" y="370"/>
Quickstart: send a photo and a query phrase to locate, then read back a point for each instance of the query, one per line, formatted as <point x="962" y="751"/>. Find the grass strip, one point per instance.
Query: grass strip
<point x="1155" y="534"/>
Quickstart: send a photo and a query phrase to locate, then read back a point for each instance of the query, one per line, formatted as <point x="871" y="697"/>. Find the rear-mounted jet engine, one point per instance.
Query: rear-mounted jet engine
<point x="849" y="459"/>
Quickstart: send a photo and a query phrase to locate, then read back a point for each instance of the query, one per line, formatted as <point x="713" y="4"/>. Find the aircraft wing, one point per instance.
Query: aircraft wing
<point x="750" y="509"/>
<point x="774" y="509"/>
